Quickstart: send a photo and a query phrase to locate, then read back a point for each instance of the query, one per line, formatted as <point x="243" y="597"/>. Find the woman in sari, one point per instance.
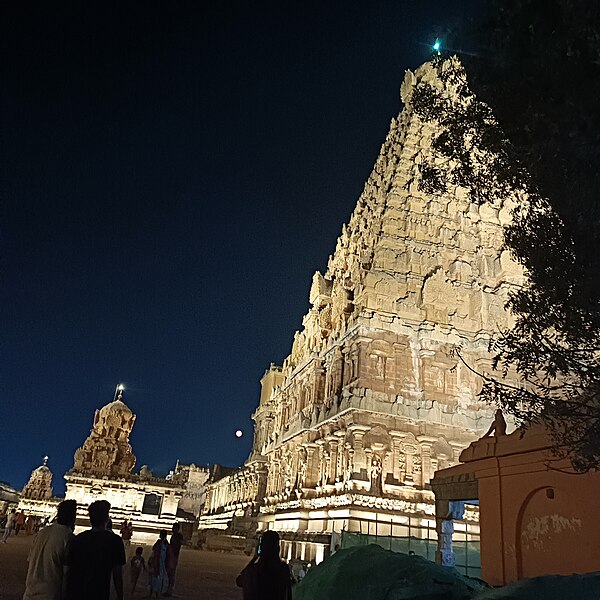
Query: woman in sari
<point x="159" y="564"/>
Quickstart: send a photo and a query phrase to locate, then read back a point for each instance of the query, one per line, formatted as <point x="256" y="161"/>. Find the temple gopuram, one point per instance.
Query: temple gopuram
<point x="103" y="470"/>
<point x="36" y="497"/>
<point x="373" y="398"/>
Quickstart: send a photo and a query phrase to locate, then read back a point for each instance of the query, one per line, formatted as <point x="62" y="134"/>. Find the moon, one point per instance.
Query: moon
<point x="239" y="433"/>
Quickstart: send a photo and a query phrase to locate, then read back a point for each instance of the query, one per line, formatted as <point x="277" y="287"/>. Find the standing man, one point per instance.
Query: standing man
<point x="48" y="556"/>
<point x="19" y="521"/>
<point x="8" y="526"/>
<point x="173" y="558"/>
<point x="94" y="557"/>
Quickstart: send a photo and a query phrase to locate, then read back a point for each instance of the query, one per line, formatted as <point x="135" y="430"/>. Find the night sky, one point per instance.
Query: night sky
<point x="172" y="174"/>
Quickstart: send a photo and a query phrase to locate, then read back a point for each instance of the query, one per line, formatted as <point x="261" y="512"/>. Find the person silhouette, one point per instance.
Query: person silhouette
<point x="48" y="555"/>
<point x="498" y="426"/>
<point x="95" y="557"/>
<point x="266" y="577"/>
<point x="173" y="558"/>
<point x="159" y="561"/>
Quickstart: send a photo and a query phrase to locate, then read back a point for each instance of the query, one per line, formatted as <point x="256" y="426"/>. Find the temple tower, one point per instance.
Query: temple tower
<point x="106" y="451"/>
<point x="103" y="470"/>
<point x="373" y="398"/>
<point x="39" y="486"/>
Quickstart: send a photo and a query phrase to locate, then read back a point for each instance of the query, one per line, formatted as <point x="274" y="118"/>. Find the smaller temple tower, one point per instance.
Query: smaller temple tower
<point x="36" y="497"/>
<point x="107" y="451"/>
<point x="103" y="470"/>
<point x="39" y="486"/>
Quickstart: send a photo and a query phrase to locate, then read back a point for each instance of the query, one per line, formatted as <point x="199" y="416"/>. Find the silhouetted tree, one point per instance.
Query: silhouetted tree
<point x="529" y="121"/>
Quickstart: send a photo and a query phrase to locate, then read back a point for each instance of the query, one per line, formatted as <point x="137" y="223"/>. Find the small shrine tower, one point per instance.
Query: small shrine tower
<point x="107" y="452"/>
<point x="103" y="470"/>
<point x="39" y="486"/>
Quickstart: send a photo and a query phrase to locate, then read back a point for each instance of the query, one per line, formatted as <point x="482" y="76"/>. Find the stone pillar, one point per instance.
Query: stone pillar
<point x="456" y="450"/>
<point x="333" y="454"/>
<point x="409" y="476"/>
<point x="349" y="468"/>
<point x="273" y="487"/>
<point x="445" y="513"/>
<point x="426" y="462"/>
<point x="442" y="510"/>
<point x="339" y="463"/>
<point x="318" y="385"/>
<point x="326" y="464"/>
<point x="312" y="466"/>
<point x="360" y="458"/>
<point x="347" y="370"/>
<point x="321" y="469"/>
<point x="396" y="443"/>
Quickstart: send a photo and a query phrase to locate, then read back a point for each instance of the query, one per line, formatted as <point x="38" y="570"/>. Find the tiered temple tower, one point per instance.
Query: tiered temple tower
<point x="373" y="398"/>
<point x="36" y="497"/>
<point x="39" y="486"/>
<point x="102" y="470"/>
<point x="107" y="451"/>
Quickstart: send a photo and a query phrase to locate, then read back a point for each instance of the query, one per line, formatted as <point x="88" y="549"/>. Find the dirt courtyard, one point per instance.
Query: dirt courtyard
<point x="201" y="575"/>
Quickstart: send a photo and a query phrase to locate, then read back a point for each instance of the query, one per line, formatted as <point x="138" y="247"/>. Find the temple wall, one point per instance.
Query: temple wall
<point x="126" y="498"/>
<point x="39" y="508"/>
<point x="236" y="495"/>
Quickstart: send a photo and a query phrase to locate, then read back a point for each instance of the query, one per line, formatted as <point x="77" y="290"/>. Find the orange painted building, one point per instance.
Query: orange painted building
<point x="537" y="516"/>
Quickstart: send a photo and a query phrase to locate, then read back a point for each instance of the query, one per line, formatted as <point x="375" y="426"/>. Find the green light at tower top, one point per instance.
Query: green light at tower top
<point x="437" y="45"/>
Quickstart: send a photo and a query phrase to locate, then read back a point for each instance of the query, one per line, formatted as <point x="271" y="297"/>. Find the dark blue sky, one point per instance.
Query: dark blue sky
<point x="172" y="174"/>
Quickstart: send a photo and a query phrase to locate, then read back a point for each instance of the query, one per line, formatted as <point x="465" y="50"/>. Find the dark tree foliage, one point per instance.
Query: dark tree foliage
<point x="530" y="121"/>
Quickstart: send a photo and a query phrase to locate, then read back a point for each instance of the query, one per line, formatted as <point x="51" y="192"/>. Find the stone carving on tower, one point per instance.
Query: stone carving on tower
<point x="106" y="451"/>
<point x="39" y="486"/>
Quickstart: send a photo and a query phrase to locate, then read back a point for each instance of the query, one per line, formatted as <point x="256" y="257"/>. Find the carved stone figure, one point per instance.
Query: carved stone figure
<point x="145" y="472"/>
<point x="380" y="366"/>
<point x="302" y="466"/>
<point x="376" y="471"/>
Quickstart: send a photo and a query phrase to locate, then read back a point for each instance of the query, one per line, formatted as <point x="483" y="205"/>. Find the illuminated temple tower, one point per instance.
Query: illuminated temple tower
<point x="39" y="486"/>
<point x="372" y="398"/>
<point x="36" y="497"/>
<point x="102" y="470"/>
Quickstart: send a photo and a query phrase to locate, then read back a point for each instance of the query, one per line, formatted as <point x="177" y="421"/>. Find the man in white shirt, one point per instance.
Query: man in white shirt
<point x="10" y="523"/>
<point x="48" y="555"/>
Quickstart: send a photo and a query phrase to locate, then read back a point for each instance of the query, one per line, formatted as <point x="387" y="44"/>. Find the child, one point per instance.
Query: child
<point x="137" y="565"/>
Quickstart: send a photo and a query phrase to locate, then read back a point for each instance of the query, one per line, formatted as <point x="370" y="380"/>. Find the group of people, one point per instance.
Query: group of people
<point x="64" y="566"/>
<point x="162" y="565"/>
<point x="14" y="522"/>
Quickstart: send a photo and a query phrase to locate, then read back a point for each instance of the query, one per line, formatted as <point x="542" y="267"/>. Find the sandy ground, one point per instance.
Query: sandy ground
<point x="201" y="575"/>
